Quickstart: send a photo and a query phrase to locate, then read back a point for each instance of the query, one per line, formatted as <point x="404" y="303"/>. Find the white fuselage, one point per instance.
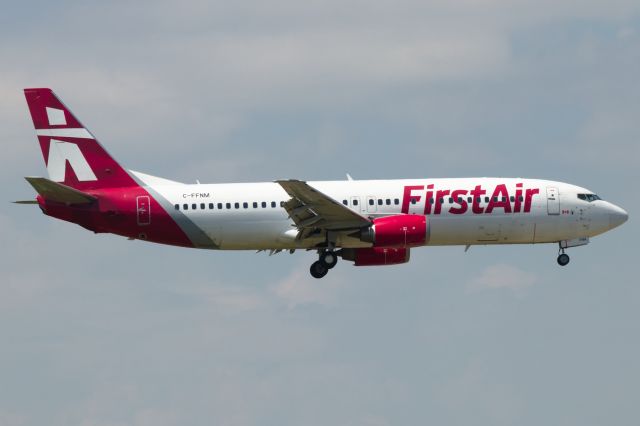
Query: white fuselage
<point x="243" y="216"/>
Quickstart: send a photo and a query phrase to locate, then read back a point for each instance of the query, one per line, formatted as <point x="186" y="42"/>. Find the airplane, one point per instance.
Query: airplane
<point x="367" y="222"/>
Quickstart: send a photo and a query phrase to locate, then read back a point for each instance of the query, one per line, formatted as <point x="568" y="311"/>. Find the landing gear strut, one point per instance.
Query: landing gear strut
<point x="327" y="259"/>
<point x="563" y="258"/>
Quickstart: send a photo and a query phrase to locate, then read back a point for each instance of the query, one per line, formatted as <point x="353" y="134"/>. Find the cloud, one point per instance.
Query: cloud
<point x="224" y="298"/>
<point x="299" y="288"/>
<point x="474" y="389"/>
<point x="502" y="276"/>
<point x="12" y="419"/>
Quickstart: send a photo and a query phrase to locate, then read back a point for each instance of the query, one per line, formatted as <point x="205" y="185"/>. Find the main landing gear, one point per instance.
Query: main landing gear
<point x="327" y="260"/>
<point x="563" y="258"/>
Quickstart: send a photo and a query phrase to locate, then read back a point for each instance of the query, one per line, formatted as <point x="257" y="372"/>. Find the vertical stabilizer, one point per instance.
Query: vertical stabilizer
<point x="73" y="156"/>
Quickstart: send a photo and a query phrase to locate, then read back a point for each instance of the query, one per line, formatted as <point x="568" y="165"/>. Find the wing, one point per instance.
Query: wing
<point x="310" y="209"/>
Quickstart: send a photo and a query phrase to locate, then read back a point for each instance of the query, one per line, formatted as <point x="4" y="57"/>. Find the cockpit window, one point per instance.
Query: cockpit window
<point x="589" y="197"/>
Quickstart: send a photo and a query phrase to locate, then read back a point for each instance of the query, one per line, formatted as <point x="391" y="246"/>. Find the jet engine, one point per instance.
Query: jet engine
<point x="403" y="230"/>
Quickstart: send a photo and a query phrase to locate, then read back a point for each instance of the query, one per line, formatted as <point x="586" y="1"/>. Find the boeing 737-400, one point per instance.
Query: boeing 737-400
<point x="368" y="222"/>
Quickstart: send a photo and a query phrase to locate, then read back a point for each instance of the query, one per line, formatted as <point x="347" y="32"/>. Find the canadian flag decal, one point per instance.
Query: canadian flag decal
<point x="59" y="153"/>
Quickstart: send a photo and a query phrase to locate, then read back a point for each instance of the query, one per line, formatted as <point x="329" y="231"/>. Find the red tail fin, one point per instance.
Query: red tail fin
<point x="72" y="154"/>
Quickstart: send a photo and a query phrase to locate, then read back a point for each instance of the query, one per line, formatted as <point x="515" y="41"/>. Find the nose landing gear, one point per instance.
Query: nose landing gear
<point x="327" y="260"/>
<point x="563" y="258"/>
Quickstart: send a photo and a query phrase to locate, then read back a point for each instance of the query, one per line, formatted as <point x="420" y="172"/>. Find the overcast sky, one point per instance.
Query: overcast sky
<point x="96" y="330"/>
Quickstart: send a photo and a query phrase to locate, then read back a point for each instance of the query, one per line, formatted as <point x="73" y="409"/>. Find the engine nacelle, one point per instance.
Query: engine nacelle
<point x="403" y="230"/>
<point x="376" y="256"/>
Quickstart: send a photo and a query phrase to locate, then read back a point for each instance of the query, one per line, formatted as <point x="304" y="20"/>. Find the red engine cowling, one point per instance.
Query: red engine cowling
<point x="403" y="230"/>
<point x="376" y="256"/>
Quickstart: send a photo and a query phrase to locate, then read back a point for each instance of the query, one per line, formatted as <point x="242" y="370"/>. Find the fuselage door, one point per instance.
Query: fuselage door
<point x="356" y="205"/>
<point x="371" y="204"/>
<point x="553" y="200"/>
<point x="143" y="208"/>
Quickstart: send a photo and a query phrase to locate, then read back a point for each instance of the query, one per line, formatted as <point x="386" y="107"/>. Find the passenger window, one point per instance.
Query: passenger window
<point x="396" y="201"/>
<point x="345" y="202"/>
<point x="194" y="206"/>
<point x="521" y="198"/>
<point x="355" y="202"/>
<point x="220" y="206"/>
<point x="210" y="206"/>
<point x="273" y="204"/>
<point x="450" y="200"/>
<point x="281" y="203"/>
<point x="379" y="201"/>
<point x="245" y="205"/>
<point x="413" y="201"/>
<point x="255" y="205"/>
<point x="479" y="199"/>
<point x="264" y="205"/>
<point x="495" y="199"/>
<point x="460" y="200"/>
<point x="185" y="206"/>
<point x="229" y="205"/>
<point x="177" y="206"/>
<point x="504" y="199"/>
<point x="512" y="199"/>
<point x="441" y="200"/>
<point x="388" y="201"/>
<point x="237" y="205"/>
<point x="486" y="199"/>
<point x="371" y="202"/>
<point x="469" y="199"/>
<point x="202" y="206"/>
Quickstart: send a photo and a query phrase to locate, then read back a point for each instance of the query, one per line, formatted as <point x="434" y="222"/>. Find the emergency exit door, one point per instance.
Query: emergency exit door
<point x="553" y="200"/>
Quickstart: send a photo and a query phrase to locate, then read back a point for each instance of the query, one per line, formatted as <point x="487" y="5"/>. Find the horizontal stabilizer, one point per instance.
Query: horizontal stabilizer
<point x="25" y="202"/>
<point x="59" y="193"/>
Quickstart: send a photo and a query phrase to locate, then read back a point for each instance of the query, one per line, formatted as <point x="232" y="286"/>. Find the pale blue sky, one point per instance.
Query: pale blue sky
<point x="101" y="331"/>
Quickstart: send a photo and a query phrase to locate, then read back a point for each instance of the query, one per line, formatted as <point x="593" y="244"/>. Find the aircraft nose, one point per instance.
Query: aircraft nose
<point x="617" y="216"/>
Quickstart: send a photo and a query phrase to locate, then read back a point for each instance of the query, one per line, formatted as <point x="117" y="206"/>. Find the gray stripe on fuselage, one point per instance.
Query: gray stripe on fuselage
<point x="197" y="236"/>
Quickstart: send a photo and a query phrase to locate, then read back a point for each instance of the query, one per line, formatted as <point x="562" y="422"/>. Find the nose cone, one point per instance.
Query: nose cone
<point x="617" y="216"/>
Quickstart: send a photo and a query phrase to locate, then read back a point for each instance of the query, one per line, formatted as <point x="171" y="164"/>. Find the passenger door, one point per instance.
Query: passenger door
<point x="553" y="200"/>
<point x="143" y="209"/>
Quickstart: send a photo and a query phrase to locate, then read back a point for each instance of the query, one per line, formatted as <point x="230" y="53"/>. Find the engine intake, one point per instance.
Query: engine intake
<point x="403" y="230"/>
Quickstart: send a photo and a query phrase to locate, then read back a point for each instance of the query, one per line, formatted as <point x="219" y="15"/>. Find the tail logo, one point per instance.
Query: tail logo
<point x="56" y="117"/>
<point x="59" y="153"/>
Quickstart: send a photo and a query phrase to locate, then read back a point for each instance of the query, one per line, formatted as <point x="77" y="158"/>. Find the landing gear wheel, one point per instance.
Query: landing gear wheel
<point x="329" y="259"/>
<point x="318" y="270"/>
<point x="563" y="259"/>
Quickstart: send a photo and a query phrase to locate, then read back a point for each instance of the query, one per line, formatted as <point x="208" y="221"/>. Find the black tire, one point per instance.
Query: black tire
<point x="563" y="259"/>
<point x="318" y="270"/>
<point x="329" y="259"/>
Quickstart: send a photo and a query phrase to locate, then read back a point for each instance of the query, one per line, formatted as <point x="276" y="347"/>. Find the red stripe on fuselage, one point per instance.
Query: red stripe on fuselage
<point x="116" y="212"/>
